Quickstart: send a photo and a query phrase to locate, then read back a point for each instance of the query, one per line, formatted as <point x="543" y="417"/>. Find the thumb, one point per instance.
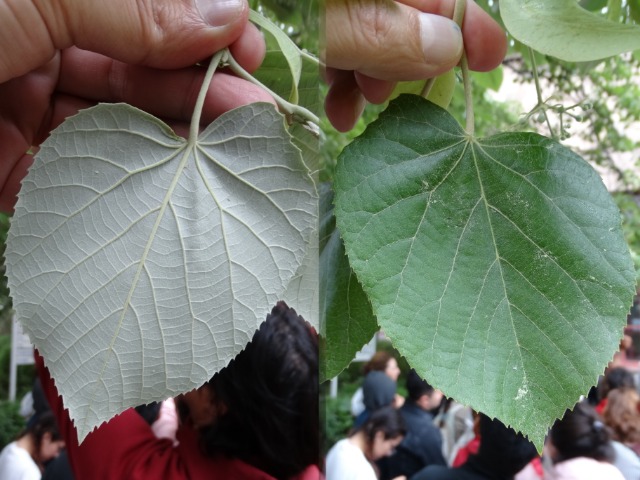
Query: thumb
<point x="157" y="33"/>
<point x="389" y="41"/>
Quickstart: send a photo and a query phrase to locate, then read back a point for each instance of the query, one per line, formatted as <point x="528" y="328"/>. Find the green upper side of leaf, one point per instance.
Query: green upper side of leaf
<point x="496" y="266"/>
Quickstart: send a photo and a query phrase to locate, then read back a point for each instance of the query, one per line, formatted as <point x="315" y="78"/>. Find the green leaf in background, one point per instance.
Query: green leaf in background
<point x="634" y="10"/>
<point x="140" y="263"/>
<point x="274" y="72"/>
<point x="562" y="29"/>
<point x="308" y="87"/>
<point x="489" y="80"/>
<point x="289" y="49"/>
<point x="593" y="5"/>
<point x="287" y="70"/>
<point x="496" y="266"/>
<point x="283" y="9"/>
<point x="440" y="94"/>
<point x="348" y="322"/>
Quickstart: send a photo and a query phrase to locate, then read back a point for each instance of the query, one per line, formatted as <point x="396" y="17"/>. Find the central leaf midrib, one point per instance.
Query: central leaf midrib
<point x="498" y="257"/>
<point x="188" y="149"/>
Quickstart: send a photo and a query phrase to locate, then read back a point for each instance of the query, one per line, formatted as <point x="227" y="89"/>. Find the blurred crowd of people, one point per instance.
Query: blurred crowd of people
<point x="427" y="436"/>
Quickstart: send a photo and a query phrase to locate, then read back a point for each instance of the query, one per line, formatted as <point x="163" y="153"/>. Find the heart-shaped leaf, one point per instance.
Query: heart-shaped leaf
<point x="497" y="266"/>
<point x="562" y="29"/>
<point x="140" y="264"/>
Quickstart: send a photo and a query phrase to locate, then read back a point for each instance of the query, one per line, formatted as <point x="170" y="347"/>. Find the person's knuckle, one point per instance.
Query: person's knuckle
<point x="373" y="22"/>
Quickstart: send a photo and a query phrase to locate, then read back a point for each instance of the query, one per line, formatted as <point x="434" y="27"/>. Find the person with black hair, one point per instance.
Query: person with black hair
<point x="265" y="403"/>
<point x="422" y="446"/>
<point x="579" y="447"/>
<point x="502" y="454"/>
<point x="24" y="458"/>
<point x="353" y="458"/>
<point x="257" y="419"/>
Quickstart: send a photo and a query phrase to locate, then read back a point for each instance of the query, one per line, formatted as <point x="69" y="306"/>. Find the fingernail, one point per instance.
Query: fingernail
<point x="219" y="13"/>
<point x="441" y="39"/>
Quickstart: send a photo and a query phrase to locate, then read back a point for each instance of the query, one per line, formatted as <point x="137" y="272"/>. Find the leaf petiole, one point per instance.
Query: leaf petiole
<point x="295" y="111"/>
<point x="194" y="129"/>
<point x="458" y="17"/>
<point x="541" y="102"/>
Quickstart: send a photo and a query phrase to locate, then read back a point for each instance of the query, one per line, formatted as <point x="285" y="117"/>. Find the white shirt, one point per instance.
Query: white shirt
<point x="584" y="468"/>
<point x="17" y="464"/>
<point x="345" y="461"/>
<point x="357" y="402"/>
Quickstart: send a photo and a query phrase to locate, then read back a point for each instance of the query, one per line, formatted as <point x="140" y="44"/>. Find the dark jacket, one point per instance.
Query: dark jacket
<point x="502" y="454"/>
<point x="471" y="470"/>
<point x="421" y="447"/>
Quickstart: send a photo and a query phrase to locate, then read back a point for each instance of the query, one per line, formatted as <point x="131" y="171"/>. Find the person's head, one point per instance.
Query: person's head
<point x="47" y="441"/>
<point x="580" y="433"/>
<point x="378" y="390"/>
<point x="383" y="362"/>
<point x="622" y="414"/>
<point x="616" y="377"/>
<point x="421" y="392"/>
<point x="502" y="451"/>
<point x="263" y="407"/>
<point x="383" y="431"/>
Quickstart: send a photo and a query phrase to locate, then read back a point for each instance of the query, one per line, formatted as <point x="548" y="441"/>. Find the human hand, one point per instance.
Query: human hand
<point x="370" y="45"/>
<point x="59" y="57"/>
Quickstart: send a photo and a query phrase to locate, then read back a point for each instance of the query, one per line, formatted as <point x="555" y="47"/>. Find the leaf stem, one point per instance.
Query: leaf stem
<point x="194" y="129"/>
<point x="287" y="107"/>
<point x="536" y="81"/>
<point x="614" y="9"/>
<point x="458" y="17"/>
<point x="427" y="87"/>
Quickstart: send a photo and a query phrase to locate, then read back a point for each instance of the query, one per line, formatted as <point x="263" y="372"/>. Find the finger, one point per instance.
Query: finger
<point x="374" y="90"/>
<point x="409" y="39"/>
<point x="168" y="94"/>
<point x="159" y="33"/>
<point x="485" y="42"/>
<point x="24" y="103"/>
<point x="249" y="50"/>
<point x="12" y="171"/>
<point x="344" y="102"/>
<point x="13" y="163"/>
<point x="389" y="41"/>
<point x="10" y="182"/>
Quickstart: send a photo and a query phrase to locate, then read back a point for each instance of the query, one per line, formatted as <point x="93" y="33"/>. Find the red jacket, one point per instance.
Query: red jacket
<point x="125" y="448"/>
